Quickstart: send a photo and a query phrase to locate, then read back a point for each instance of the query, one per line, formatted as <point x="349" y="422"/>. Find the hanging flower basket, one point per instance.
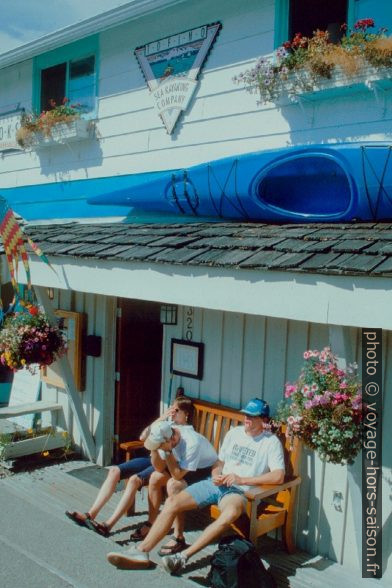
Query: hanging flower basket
<point x="28" y="339"/>
<point x="324" y="408"/>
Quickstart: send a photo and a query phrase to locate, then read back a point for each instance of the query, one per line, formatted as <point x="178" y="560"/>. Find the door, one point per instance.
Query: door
<point x="138" y="359"/>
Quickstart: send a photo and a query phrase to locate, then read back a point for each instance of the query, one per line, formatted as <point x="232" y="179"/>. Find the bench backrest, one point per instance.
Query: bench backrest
<point x="214" y="420"/>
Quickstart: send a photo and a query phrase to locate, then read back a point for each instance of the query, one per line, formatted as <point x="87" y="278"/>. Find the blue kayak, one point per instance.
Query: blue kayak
<point x="69" y="199"/>
<point x="319" y="183"/>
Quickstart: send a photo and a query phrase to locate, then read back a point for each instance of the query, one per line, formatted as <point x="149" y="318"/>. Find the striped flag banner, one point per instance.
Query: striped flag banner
<point x="14" y="241"/>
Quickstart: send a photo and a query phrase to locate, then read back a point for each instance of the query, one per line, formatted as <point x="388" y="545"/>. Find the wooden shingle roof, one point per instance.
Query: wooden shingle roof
<point x="357" y="249"/>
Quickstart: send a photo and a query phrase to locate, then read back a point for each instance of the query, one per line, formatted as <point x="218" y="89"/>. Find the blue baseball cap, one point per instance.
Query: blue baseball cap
<point x="257" y="408"/>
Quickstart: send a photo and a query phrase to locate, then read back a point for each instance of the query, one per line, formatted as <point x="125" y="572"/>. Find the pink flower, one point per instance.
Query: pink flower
<point x="290" y="389"/>
<point x="306" y="354"/>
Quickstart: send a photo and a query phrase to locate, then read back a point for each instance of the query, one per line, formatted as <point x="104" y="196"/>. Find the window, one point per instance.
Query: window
<point x="306" y="16"/>
<point x="69" y="72"/>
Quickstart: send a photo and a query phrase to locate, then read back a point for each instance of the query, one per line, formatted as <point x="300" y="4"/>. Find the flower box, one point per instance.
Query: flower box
<point x="38" y="444"/>
<point x="64" y="133"/>
<point x="340" y="84"/>
<point x="313" y="68"/>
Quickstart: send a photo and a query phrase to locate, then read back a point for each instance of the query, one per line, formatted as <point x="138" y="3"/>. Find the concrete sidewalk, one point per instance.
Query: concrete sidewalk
<point x="41" y="548"/>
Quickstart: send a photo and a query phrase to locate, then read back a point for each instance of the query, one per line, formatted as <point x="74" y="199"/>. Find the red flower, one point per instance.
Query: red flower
<point x="33" y="310"/>
<point x="65" y="100"/>
<point x="364" y="23"/>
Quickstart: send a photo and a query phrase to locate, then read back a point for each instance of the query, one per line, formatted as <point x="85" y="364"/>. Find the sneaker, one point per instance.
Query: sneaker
<point x="133" y="559"/>
<point x="173" y="563"/>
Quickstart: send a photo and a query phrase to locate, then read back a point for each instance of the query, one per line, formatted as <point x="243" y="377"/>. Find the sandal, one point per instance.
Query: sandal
<point x="178" y="546"/>
<point x="138" y="535"/>
<point x="78" y="517"/>
<point x="100" y="528"/>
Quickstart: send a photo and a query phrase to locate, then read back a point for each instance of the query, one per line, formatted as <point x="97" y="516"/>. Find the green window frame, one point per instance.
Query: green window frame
<point x="282" y="20"/>
<point x="68" y="55"/>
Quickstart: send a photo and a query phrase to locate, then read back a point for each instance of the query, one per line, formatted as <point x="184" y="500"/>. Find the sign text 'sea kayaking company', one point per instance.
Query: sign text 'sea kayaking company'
<point x="171" y="67"/>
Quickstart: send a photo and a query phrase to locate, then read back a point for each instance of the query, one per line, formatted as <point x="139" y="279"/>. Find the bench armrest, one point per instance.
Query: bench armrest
<point x="265" y="490"/>
<point x="129" y="445"/>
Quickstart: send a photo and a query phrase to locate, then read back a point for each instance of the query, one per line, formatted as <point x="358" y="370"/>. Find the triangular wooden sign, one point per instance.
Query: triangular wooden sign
<point x="171" y="67"/>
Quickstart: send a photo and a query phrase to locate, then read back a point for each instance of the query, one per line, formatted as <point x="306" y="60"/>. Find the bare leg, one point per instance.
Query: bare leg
<point x="175" y="487"/>
<point x="173" y="506"/>
<point x="106" y="491"/>
<point x="231" y="507"/>
<point x="132" y="486"/>
<point x="158" y="481"/>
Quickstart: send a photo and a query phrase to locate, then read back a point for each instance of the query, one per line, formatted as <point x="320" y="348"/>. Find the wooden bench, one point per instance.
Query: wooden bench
<point x="269" y="506"/>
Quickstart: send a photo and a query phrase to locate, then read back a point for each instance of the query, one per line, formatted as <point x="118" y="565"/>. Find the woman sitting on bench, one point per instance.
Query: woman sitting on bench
<point x="137" y="472"/>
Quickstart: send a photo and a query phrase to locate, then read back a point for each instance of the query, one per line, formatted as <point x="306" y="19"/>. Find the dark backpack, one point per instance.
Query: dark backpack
<point x="236" y="564"/>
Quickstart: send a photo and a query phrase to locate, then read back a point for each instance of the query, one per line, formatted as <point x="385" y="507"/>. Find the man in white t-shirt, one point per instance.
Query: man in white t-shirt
<point x="180" y="456"/>
<point x="250" y="455"/>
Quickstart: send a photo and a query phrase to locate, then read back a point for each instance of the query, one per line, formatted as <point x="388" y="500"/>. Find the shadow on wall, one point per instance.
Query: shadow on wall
<point x="63" y="159"/>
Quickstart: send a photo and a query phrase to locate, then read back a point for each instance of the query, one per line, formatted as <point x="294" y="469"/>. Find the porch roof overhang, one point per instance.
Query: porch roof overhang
<point x="332" y="300"/>
<point x="330" y="274"/>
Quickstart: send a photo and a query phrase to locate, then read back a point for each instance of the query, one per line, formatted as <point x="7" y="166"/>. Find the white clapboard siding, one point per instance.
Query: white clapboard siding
<point x="15" y="86"/>
<point x="223" y="119"/>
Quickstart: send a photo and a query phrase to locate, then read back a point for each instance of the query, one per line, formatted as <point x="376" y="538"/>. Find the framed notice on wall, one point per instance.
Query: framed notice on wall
<point x="187" y="358"/>
<point x="72" y="325"/>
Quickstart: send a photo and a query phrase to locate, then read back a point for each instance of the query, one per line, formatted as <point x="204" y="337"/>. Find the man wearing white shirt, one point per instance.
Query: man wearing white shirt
<point x="250" y="456"/>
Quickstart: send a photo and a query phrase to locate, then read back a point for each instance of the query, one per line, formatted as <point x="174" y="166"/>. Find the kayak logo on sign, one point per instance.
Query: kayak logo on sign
<point x="171" y="67"/>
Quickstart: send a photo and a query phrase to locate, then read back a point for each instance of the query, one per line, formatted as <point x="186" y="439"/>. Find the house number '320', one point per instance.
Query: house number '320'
<point x="189" y="324"/>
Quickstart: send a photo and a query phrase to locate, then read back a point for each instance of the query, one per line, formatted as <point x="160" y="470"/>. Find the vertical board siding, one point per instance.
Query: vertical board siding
<point x="213" y="346"/>
<point x="275" y="360"/>
<point x="253" y="357"/>
<point x="232" y="354"/>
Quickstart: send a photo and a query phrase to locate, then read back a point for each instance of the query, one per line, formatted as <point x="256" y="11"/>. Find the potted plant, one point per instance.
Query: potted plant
<point x="27" y="339"/>
<point x="324" y="408"/>
<point x="308" y="64"/>
<point x="60" y="124"/>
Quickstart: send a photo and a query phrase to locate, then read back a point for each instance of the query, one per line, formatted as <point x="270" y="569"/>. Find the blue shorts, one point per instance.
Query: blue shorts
<point x="141" y="466"/>
<point x="205" y="493"/>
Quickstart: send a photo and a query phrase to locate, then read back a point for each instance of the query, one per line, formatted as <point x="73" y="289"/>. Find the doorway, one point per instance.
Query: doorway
<point x="138" y="365"/>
